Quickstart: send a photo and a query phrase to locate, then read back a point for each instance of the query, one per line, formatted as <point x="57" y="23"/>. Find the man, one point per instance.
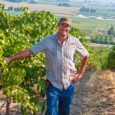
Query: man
<point x="61" y="72"/>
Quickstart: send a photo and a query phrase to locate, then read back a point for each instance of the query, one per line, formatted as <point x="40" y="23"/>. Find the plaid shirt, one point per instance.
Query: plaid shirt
<point x="60" y="58"/>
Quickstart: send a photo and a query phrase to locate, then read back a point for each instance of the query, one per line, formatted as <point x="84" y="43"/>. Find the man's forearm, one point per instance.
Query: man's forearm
<point x="21" y="55"/>
<point x="78" y="75"/>
<point x="83" y="65"/>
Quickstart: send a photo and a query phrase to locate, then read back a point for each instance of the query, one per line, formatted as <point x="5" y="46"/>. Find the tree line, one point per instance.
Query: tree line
<point x="15" y="9"/>
<point x="108" y="38"/>
<point x="84" y="9"/>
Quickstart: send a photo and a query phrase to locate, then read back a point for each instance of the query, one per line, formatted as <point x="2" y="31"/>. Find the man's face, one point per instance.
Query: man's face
<point x="64" y="29"/>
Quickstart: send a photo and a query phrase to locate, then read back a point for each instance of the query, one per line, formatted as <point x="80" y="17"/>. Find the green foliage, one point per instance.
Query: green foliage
<point x="111" y="31"/>
<point x="103" y="39"/>
<point x="111" y="58"/>
<point x="98" y="58"/>
<point x="1" y="6"/>
<point x="18" y="78"/>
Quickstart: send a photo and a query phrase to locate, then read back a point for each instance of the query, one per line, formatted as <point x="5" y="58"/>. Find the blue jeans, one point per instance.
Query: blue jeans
<point x="59" y="101"/>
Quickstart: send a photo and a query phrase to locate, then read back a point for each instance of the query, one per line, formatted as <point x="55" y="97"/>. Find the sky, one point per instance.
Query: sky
<point x="104" y="1"/>
<point x="99" y="1"/>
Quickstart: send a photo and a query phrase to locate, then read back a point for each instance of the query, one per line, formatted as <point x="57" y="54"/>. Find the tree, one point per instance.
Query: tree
<point x="111" y="31"/>
<point x="111" y="58"/>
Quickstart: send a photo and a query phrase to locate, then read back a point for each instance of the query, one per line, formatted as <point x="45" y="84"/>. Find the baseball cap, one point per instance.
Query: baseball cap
<point x="66" y="20"/>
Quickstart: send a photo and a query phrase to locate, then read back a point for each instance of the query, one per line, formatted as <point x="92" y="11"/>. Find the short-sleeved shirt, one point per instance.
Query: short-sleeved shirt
<point x="60" y="58"/>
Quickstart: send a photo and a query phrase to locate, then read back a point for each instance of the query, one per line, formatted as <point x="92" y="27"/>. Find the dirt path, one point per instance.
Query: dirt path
<point x="95" y="94"/>
<point x="14" y="107"/>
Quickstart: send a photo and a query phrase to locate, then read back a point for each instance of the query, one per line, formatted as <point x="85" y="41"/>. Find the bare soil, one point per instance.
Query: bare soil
<point x="95" y="94"/>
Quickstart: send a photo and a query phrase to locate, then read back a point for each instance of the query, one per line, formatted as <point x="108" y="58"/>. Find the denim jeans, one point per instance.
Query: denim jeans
<point x="59" y="101"/>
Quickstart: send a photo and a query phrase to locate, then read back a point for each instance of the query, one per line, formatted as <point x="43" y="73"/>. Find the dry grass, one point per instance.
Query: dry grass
<point x="96" y="94"/>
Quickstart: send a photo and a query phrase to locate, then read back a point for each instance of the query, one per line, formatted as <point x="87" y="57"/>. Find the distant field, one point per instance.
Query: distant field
<point x="57" y="10"/>
<point x="91" y="25"/>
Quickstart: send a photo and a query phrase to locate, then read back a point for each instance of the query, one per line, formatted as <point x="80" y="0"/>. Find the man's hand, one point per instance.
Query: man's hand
<point x="21" y="55"/>
<point x="76" y="77"/>
<point x="8" y="59"/>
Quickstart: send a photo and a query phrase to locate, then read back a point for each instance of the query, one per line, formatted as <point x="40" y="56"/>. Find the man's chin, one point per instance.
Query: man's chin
<point x="64" y="34"/>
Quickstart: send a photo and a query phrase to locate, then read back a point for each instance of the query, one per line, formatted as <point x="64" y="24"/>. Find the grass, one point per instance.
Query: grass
<point x="90" y="25"/>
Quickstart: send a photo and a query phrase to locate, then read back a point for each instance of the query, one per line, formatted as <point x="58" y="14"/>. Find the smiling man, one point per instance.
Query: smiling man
<point x="61" y="72"/>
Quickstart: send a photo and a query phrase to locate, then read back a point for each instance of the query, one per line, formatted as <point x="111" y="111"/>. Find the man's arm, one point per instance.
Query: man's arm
<point x="77" y="76"/>
<point x="84" y="64"/>
<point x="21" y="55"/>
